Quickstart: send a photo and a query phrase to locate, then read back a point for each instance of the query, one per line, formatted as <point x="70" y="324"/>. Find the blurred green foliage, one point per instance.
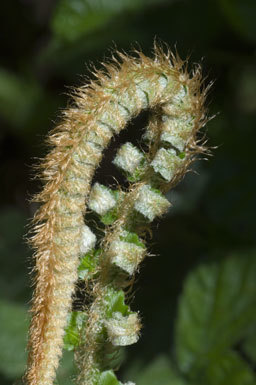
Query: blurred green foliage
<point x="160" y="371"/>
<point x="14" y="326"/>
<point x="216" y="314"/>
<point x="77" y="18"/>
<point x="197" y="296"/>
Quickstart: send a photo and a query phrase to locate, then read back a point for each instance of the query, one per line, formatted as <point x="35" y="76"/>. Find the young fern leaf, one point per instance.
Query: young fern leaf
<point x="103" y="108"/>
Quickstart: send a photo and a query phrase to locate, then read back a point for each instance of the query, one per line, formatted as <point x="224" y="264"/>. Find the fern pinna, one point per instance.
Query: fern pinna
<point x="64" y="243"/>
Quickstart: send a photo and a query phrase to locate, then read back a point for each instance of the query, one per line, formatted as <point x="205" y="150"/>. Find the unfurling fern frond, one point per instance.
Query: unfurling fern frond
<point x="66" y="247"/>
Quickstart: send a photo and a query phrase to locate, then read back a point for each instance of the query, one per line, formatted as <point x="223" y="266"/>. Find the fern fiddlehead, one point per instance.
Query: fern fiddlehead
<point x="62" y="240"/>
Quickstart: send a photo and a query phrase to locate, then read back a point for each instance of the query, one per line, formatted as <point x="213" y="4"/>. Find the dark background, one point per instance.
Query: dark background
<point x="46" y="47"/>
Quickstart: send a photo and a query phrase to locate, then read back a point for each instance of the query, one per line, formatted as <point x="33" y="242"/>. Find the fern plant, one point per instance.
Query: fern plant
<point x="67" y="248"/>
